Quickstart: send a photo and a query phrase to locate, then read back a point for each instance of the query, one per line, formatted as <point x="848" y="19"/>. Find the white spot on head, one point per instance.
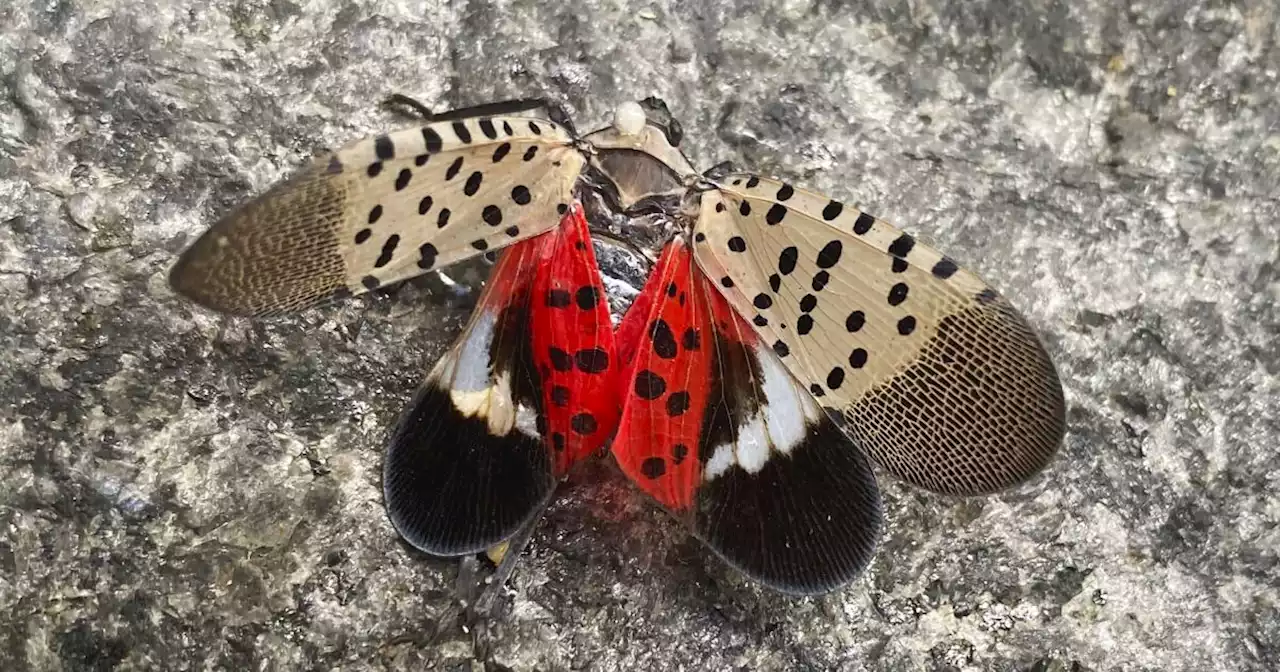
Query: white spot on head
<point x="629" y="118"/>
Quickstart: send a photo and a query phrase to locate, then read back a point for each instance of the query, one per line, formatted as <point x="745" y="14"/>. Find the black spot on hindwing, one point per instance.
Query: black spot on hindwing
<point x="663" y="340"/>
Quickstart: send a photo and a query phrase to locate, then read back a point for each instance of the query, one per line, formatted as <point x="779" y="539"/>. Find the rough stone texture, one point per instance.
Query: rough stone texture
<point x="185" y="491"/>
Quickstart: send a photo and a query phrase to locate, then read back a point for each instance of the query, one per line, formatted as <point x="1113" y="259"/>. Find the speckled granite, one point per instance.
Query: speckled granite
<point x="186" y="491"/>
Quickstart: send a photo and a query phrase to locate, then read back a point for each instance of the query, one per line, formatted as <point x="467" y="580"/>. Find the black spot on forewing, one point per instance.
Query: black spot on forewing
<point x="902" y="246"/>
<point x="830" y="254"/>
<point x="787" y="260"/>
<point x="453" y="169"/>
<point x="383" y="148"/>
<point x="460" y="129"/>
<point x="427" y="256"/>
<point x="898" y="293"/>
<point x="854" y="322"/>
<point x="432" y="140"/>
<point x="945" y="268"/>
<point x="388" y="251"/>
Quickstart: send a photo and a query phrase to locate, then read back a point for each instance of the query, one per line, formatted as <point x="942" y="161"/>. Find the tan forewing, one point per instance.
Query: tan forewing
<point x="936" y="374"/>
<point x="373" y="213"/>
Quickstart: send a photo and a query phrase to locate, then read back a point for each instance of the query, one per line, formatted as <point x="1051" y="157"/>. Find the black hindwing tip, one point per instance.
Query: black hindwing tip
<point x="451" y="487"/>
<point x="814" y="515"/>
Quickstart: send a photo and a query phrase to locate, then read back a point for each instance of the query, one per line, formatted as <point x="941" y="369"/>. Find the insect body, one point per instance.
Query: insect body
<point x="783" y="342"/>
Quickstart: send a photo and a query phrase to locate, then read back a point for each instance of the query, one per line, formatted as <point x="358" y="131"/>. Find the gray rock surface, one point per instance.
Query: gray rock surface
<point x="180" y="490"/>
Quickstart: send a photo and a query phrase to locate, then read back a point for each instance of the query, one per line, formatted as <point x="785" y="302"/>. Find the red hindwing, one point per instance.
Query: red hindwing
<point x="573" y="344"/>
<point x="528" y="388"/>
<point x="717" y="431"/>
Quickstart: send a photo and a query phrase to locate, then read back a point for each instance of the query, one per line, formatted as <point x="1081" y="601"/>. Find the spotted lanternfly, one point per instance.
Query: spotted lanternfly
<point x="385" y="209"/>
<point x="783" y="336"/>
<point x="528" y="389"/>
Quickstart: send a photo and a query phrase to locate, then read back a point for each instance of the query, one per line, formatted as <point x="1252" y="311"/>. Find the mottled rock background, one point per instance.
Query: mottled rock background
<point x="180" y="490"/>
